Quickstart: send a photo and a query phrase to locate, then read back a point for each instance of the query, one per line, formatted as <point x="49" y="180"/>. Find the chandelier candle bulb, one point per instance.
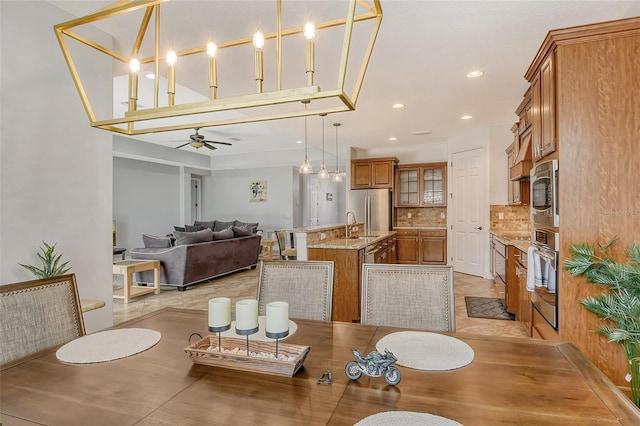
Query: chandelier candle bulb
<point x="277" y="318"/>
<point x="258" y="43"/>
<point x="134" y="68"/>
<point x="172" y="58"/>
<point x="247" y="316"/>
<point x="212" y="49"/>
<point x="219" y="314"/>
<point x="309" y="35"/>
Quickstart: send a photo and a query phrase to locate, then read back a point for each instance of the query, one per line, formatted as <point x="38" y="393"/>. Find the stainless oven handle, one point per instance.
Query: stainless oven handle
<point x="546" y="254"/>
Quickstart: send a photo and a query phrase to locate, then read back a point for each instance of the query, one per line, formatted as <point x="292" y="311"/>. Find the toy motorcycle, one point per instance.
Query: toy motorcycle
<point x="374" y="365"/>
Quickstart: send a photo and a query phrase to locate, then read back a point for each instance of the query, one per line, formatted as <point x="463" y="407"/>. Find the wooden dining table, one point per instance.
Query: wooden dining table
<point x="510" y="381"/>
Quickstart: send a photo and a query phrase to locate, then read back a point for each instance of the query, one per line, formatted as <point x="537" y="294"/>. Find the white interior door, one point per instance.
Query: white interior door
<point x="468" y="207"/>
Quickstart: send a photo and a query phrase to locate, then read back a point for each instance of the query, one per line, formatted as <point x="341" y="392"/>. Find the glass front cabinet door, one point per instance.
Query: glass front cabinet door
<point x="421" y="185"/>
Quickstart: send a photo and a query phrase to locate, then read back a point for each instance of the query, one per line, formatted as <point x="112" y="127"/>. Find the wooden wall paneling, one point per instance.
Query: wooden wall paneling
<point x="598" y="126"/>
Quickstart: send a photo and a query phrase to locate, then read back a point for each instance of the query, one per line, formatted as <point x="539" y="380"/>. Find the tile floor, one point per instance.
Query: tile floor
<point x="243" y="285"/>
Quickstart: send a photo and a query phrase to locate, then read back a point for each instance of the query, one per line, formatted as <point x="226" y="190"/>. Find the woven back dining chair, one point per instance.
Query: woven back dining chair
<point x="285" y="253"/>
<point x="307" y="286"/>
<point x="38" y="315"/>
<point x="408" y="296"/>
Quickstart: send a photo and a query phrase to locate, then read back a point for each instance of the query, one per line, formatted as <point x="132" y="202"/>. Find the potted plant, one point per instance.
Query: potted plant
<point x="51" y="266"/>
<point x="619" y="307"/>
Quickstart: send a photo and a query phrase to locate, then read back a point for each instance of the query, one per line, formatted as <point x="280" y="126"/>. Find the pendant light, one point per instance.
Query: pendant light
<point x="336" y="176"/>
<point x="323" y="173"/>
<point x="305" y="168"/>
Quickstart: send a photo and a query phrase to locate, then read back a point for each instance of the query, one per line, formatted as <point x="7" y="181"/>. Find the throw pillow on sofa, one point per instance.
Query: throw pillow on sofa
<point x="240" y="232"/>
<point x="184" y="238"/>
<point x="223" y="235"/>
<point x="253" y="227"/>
<point x="193" y="228"/>
<point x="179" y="228"/>
<point x="221" y="226"/>
<point x="204" y="224"/>
<point x="153" y="241"/>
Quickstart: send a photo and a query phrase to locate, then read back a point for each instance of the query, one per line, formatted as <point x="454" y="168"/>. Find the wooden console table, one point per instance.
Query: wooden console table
<point x="266" y="248"/>
<point x="127" y="268"/>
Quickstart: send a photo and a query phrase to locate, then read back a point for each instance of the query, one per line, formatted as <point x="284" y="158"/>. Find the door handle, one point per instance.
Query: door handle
<point x="479" y="228"/>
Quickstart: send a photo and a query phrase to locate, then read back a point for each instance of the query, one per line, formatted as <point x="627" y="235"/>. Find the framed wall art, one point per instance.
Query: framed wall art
<point x="258" y="191"/>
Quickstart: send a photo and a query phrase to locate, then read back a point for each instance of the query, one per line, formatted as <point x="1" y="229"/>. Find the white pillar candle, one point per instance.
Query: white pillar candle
<point x="277" y="317"/>
<point x="219" y="312"/>
<point x="247" y="314"/>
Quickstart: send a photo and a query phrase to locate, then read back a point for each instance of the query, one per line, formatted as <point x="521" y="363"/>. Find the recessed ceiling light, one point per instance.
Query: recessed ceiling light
<point x="150" y="76"/>
<point x="397" y="106"/>
<point x="298" y="141"/>
<point x="393" y="138"/>
<point x="475" y="73"/>
<point x="422" y="132"/>
<point x="466" y="117"/>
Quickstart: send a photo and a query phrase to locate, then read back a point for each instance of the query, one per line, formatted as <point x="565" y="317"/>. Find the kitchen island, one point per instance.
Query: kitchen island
<point x="348" y="256"/>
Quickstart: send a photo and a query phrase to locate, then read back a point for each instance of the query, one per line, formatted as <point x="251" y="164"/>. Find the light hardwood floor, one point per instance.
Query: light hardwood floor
<point x="244" y="284"/>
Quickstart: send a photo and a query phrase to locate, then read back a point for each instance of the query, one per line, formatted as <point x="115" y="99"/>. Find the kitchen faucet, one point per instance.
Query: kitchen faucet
<point x="347" y="228"/>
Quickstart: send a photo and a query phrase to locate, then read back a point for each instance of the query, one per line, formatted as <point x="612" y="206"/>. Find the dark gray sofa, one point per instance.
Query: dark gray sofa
<point x="188" y="264"/>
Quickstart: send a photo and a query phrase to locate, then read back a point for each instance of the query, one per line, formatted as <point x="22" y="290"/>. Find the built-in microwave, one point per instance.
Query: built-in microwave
<point x="544" y="194"/>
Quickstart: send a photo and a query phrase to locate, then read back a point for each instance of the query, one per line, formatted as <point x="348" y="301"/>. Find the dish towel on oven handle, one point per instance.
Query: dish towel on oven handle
<point x="534" y="271"/>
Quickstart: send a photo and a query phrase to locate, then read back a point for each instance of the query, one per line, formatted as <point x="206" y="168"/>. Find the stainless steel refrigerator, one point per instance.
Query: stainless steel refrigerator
<point x="374" y="207"/>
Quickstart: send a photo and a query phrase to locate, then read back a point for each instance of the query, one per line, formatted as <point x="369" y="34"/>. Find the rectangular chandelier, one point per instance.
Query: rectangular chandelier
<point x="162" y="102"/>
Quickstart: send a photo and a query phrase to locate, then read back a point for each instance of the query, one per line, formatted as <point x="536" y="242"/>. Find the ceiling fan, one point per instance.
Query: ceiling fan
<point x="198" y="141"/>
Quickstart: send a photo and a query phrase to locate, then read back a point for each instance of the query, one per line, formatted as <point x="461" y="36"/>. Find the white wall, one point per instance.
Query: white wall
<point x="145" y="200"/>
<point x="225" y="197"/>
<point x="55" y="169"/>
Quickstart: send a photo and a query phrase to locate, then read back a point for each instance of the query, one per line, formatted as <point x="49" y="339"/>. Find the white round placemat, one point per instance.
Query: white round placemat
<point x="406" y="418"/>
<point x="108" y="345"/>
<point x="259" y="335"/>
<point x="426" y="351"/>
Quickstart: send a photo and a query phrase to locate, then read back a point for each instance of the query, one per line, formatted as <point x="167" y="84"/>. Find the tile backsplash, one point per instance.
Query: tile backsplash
<point x="420" y="216"/>
<point x="516" y="219"/>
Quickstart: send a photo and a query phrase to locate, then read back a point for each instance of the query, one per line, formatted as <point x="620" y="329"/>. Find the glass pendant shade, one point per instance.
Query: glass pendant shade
<point x="323" y="173"/>
<point x="306" y="168"/>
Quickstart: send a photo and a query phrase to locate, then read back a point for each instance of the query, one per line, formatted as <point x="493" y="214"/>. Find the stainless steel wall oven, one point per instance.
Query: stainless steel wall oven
<point x="545" y="274"/>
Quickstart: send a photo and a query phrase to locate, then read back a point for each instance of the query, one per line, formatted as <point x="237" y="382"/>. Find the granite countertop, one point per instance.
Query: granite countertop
<point x="317" y="228"/>
<point x="438" y="227"/>
<point x="353" y="243"/>
<point x="518" y="240"/>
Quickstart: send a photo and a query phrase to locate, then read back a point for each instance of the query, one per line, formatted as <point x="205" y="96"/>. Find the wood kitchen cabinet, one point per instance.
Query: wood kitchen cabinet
<point x="421" y="246"/>
<point x="524" y="307"/>
<point x="518" y="190"/>
<point x="512" y="290"/>
<point x="433" y="247"/>
<point x="373" y="173"/>
<point x="408" y="246"/>
<point x="421" y="185"/>
<point x="543" y="112"/>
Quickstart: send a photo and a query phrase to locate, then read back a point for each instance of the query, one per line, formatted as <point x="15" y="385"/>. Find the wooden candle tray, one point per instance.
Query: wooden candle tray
<point x="238" y="361"/>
